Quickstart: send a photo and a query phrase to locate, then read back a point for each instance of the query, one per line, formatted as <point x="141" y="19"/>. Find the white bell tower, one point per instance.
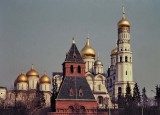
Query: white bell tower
<point x="124" y="57"/>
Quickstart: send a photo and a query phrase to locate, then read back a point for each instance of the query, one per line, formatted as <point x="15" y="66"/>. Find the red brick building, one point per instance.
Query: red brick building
<point x="75" y="95"/>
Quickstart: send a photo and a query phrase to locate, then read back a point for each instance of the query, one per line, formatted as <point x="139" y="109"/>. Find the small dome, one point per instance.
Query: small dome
<point x="45" y="79"/>
<point x="114" y="51"/>
<point x="88" y="52"/>
<point x="32" y="72"/>
<point x="21" y="78"/>
<point x="98" y="62"/>
<point x="123" y="22"/>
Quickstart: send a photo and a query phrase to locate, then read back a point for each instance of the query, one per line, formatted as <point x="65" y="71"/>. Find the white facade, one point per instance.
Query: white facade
<point x="32" y="80"/>
<point x="45" y="87"/>
<point x="89" y="66"/>
<point x="22" y="86"/>
<point x="3" y="93"/>
<point x="120" y="71"/>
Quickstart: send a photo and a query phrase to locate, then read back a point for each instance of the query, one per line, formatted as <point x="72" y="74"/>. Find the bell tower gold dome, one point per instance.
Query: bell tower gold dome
<point x="88" y="52"/>
<point x="22" y="78"/>
<point x="123" y="22"/>
<point x="45" y="79"/>
<point x="32" y="72"/>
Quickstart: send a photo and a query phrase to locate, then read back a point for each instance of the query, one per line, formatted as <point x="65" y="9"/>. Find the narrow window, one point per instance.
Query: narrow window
<point x="120" y="59"/>
<point x="71" y="68"/>
<point x="79" y="69"/>
<point x="80" y="92"/>
<point x="126" y="59"/>
<point x="71" y="92"/>
<point x="126" y="72"/>
<point x="119" y="91"/>
<point x="99" y="87"/>
<point x="130" y="59"/>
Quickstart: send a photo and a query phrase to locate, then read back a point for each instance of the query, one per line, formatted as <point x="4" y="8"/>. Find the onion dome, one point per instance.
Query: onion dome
<point x="98" y="62"/>
<point x="45" y="79"/>
<point x="88" y="52"/>
<point x="123" y="22"/>
<point x="21" y="78"/>
<point x="114" y="51"/>
<point x="32" y="72"/>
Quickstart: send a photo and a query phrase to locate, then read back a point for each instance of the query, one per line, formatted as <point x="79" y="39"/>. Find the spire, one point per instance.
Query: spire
<point x="123" y="12"/>
<point x="87" y="43"/>
<point x="73" y="41"/>
<point x="32" y="66"/>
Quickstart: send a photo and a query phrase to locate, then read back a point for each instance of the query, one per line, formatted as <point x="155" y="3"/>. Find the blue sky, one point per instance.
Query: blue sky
<point x="40" y="32"/>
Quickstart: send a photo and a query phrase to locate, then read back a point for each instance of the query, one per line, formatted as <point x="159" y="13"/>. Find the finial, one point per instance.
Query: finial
<point x="32" y="66"/>
<point x="87" y="43"/>
<point x="123" y="16"/>
<point x="73" y="41"/>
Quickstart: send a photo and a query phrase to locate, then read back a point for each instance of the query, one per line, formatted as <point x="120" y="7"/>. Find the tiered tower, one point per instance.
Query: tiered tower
<point x="120" y="71"/>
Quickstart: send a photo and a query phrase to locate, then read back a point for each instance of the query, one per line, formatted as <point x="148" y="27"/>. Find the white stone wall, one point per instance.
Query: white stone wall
<point x="89" y="65"/>
<point x="33" y="82"/>
<point x="22" y="86"/>
<point x="3" y="93"/>
<point x="45" y="87"/>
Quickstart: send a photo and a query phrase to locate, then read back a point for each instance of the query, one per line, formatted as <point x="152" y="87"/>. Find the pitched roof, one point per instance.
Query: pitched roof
<point x="73" y="55"/>
<point x="75" y="83"/>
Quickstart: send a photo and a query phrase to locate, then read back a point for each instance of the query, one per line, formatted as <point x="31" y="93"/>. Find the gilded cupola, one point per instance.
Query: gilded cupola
<point x="32" y="72"/>
<point x="21" y="78"/>
<point x="45" y="79"/>
<point x="114" y="51"/>
<point x="88" y="52"/>
<point x="123" y="22"/>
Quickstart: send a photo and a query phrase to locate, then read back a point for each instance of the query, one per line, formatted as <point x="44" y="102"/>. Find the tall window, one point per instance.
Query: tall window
<point x="99" y="87"/>
<point x="119" y="91"/>
<point x="121" y="59"/>
<point x="71" y="92"/>
<point x="100" y="99"/>
<point x="80" y="92"/>
<point x="126" y="59"/>
<point x="71" y="69"/>
<point x="79" y="69"/>
<point x="126" y="72"/>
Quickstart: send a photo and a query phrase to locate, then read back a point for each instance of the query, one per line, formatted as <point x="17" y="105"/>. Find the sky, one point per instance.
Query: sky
<point x="40" y="32"/>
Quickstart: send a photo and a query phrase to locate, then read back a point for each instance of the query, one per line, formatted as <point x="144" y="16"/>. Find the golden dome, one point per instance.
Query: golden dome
<point x="114" y="51"/>
<point x="45" y="79"/>
<point x="123" y="22"/>
<point x="88" y="52"/>
<point x="32" y="72"/>
<point x="21" y="78"/>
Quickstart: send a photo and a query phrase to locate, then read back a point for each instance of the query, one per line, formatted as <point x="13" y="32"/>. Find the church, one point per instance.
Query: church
<point x="105" y="87"/>
<point x="83" y="86"/>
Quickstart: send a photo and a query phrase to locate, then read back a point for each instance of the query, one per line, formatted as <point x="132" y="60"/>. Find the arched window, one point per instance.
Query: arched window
<point x="71" y="69"/>
<point x="119" y="91"/>
<point x="121" y="59"/>
<point x="100" y="99"/>
<point x="126" y="59"/>
<point x="71" y="92"/>
<point x="80" y="92"/>
<point x="71" y="109"/>
<point x="82" y="109"/>
<point x="130" y="59"/>
<point x="79" y="69"/>
<point x="126" y="72"/>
